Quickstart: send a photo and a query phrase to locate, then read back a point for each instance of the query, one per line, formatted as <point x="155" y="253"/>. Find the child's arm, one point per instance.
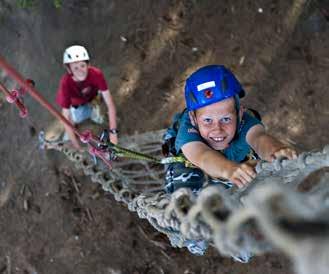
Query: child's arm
<point x="268" y="147"/>
<point x="216" y="165"/>
<point x="111" y="114"/>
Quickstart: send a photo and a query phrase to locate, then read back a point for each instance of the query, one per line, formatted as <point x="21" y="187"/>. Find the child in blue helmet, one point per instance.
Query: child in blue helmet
<point x="217" y="135"/>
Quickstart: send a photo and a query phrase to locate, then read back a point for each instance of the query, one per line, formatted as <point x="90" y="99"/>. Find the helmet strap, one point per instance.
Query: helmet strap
<point x="68" y="69"/>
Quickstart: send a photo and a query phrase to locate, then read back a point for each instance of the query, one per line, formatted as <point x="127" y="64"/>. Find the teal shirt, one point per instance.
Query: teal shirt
<point x="238" y="148"/>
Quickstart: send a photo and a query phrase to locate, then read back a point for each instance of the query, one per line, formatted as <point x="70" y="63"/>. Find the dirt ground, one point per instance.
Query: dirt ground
<point x="52" y="218"/>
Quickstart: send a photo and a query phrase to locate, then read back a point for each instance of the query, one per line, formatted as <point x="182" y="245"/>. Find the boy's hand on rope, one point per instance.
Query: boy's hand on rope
<point x="285" y="152"/>
<point x="242" y="174"/>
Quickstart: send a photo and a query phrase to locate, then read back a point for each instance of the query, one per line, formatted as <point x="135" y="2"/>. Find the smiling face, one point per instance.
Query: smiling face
<point x="217" y="123"/>
<point x="79" y="70"/>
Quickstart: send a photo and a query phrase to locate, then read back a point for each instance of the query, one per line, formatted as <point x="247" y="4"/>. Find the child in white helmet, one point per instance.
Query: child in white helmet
<point x="78" y="87"/>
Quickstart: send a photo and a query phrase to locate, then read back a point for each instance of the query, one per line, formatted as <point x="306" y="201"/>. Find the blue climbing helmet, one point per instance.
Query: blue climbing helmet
<point x="211" y="84"/>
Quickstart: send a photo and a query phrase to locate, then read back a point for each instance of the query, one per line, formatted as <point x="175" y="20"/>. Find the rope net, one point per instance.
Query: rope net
<point x="284" y="207"/>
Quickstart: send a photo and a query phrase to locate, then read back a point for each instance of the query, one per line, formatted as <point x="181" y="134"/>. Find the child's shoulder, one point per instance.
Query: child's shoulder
<point x="250" y="118"/>
<point x="253" y="113"/>
<point x="94" y="70"/>
<point x="182" y="119"/>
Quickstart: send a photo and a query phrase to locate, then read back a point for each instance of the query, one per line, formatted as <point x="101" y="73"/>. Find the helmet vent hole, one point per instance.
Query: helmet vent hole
<point x="69" y="56"/>
<point x="224" y="85"/>
<point x="192" y="97"/>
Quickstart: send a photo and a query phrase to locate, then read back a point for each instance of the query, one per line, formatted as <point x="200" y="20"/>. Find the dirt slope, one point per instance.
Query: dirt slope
<point x="53" y="219"/>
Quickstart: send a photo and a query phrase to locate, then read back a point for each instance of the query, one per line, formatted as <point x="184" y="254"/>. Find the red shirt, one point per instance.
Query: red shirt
<point x="72" y="93"/>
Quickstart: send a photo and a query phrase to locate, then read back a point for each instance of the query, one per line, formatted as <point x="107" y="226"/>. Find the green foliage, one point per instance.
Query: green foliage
<point x="26" y="4"/>
<point x="57" y="3"/>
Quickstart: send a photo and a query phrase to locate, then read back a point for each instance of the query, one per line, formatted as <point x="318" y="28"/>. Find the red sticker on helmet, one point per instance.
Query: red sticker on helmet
<point x="208" y="93"/>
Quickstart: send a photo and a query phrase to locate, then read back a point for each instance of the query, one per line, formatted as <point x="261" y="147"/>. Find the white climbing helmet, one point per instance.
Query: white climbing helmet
<point x="74" y="54"/>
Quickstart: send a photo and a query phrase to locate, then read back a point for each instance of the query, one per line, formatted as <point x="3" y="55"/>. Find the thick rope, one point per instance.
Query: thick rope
<point x="252" y="220"/>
